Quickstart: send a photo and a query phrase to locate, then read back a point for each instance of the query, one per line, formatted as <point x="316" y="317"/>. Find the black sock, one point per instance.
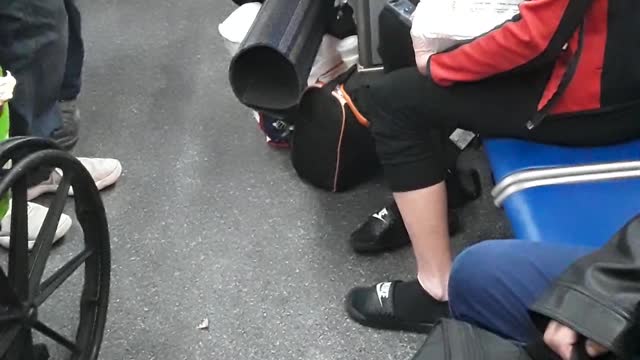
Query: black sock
<point x="413" y="303"/>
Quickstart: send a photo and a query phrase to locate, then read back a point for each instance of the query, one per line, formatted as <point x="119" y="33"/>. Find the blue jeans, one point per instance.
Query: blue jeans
<point x="33" y="46"/>
<point x="41" y="44"/>
<point x="72" y="81"/>
<point x="493" y="283"/>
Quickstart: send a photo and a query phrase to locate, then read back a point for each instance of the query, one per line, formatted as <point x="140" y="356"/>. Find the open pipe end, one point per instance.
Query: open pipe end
<point x="261" y="77"/>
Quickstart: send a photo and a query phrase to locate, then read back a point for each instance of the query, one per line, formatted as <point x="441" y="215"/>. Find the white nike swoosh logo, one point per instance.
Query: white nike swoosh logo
<point x="383" y="290"/>
<point x="379" y="217"/>
<point x="379" y="291"/>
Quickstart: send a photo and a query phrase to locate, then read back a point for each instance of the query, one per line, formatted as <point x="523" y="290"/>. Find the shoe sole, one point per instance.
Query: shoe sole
<point x="376" y="248"/>
<point x="385" y="325"/>
<point x="109" y="180"/>
<point x="400" y="239"/>
<point x="67" y="143"/>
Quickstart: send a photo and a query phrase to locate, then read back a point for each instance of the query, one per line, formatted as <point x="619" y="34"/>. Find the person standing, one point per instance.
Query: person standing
<point x="67" y="134"/>
<point x="41" y="45"/>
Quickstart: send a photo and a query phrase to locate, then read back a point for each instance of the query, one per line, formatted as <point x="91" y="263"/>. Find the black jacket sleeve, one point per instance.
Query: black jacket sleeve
<point x="598" y="296"/>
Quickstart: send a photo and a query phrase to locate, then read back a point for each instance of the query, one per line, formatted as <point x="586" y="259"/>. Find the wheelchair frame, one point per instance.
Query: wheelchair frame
<point x="22" y="288"/>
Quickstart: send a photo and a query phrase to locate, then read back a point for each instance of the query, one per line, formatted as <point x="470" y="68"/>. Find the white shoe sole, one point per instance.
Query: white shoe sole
<point x="39" y="190"/>
<point x="64" y="225"/>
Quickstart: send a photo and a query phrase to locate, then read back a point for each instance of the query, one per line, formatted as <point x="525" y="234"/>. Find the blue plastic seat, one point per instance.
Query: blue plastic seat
<point x="508" y="156"/>
<point x="581" y="214"/>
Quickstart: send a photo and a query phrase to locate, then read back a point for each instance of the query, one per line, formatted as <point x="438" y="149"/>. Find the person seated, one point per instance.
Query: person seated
<point x="559" y="73"/>
<point x="516" y="288"/>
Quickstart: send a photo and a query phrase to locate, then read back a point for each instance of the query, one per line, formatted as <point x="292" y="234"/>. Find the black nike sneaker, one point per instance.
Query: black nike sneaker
<point x="395" y="305"/>
<point x="385" y="231"/>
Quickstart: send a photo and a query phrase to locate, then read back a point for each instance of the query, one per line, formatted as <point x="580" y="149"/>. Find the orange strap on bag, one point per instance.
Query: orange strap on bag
<point x="361" y="119"/>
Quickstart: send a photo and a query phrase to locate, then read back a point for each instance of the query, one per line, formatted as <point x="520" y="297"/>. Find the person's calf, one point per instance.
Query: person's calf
<point x="425" y="214"/>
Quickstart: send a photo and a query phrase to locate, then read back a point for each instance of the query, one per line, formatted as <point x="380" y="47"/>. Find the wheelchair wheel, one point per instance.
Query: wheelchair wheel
<point x="23" y="287"/>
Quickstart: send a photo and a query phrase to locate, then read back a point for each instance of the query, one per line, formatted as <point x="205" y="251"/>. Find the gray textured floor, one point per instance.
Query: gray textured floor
<point x="209" y="222"/>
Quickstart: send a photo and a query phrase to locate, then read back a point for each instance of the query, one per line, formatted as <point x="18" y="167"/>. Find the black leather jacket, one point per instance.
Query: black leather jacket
<point x="599" y="295"/>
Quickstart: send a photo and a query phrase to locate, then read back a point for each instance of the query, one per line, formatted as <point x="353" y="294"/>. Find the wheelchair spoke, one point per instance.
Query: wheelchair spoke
<point x="7" y="338"/>
<point x="18" y="250"/>
<point x="53" y="335"/>
<point x="7" y="295"/>
<point x="50" y="285"/>
<point x="44" y="241"/>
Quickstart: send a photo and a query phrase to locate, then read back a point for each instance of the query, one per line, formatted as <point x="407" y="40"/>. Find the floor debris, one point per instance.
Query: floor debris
<point x="204" y="325"/>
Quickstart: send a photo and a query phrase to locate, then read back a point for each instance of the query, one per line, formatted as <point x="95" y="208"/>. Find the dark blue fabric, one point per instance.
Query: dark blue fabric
<point x="493" y="283"/>
<point x="33" y="44"/>
<point x="72" y="81"/>
<point x="45" y="53"/>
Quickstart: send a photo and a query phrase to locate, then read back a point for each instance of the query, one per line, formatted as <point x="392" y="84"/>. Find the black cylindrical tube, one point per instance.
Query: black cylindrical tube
<point x="271" y="69"/>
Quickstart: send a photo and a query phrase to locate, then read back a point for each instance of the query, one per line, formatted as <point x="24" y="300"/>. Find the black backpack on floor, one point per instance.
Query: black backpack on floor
<point x="332" y="147"/>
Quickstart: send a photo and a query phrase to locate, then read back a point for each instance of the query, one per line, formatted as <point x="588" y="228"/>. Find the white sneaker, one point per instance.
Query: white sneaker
<point x="105" y="172"/>
<point x="35" y="214"/>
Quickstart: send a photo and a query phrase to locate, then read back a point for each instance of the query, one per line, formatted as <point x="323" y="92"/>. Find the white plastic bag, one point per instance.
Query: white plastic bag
<point x="334" y="57"/>
<point x="461" y="19"/>
<point x="7" y="84"/>
<point x="235" y="28"/>
<point x="440" y="24"/>
<point x="327" y="58"/>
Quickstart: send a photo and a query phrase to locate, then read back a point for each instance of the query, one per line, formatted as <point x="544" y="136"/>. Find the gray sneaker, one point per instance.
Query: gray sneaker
<point x="67" y="135"/>
<point x="36" y="214"/>
<point x="105" y="172"/>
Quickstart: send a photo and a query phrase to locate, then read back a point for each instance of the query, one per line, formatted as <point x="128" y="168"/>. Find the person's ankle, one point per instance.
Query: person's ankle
<point x="437" y="288"/>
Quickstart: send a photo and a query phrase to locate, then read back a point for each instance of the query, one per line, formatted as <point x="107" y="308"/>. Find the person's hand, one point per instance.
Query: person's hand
<point x="562" y="339"/>
<point x="422" y="47"/>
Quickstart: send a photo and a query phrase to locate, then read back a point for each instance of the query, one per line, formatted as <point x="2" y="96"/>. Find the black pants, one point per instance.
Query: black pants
<point x="410" y="115"/>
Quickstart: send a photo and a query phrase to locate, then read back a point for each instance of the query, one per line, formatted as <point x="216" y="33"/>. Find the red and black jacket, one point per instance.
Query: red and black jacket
<point x="594" y="44"/>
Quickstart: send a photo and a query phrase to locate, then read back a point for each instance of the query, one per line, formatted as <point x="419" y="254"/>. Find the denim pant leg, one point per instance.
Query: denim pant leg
<point x="33" y="43"/>
<point x="72" y="81"/>
<point x="493" y="283"/>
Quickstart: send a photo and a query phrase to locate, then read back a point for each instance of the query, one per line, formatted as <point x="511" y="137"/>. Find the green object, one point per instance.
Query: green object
<point x="4" y="135"/>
